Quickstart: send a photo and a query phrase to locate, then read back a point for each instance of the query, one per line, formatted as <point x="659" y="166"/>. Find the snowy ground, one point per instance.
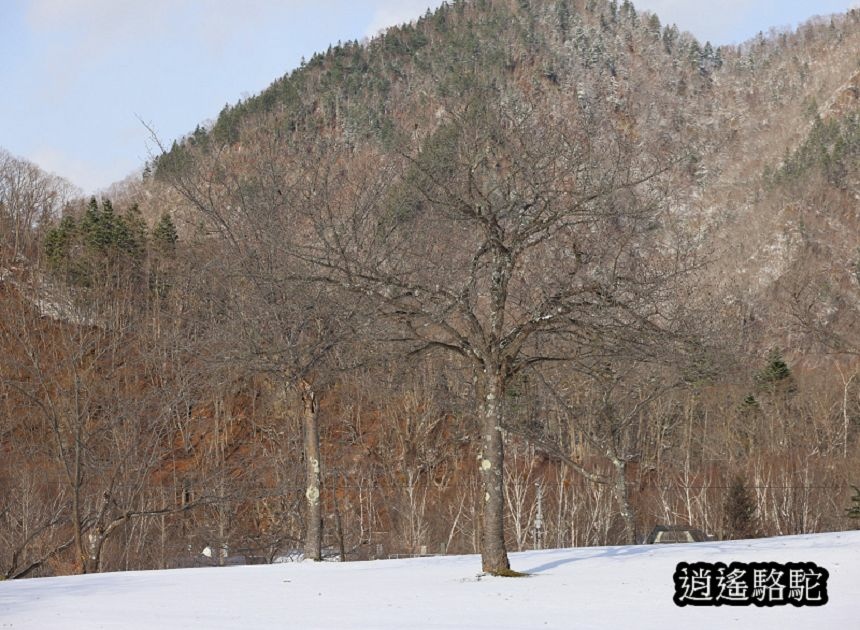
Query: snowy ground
<point x="609" y="587"/>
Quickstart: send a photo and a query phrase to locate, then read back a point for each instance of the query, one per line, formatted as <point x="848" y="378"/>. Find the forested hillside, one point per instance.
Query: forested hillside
<point x="522" y="273"/>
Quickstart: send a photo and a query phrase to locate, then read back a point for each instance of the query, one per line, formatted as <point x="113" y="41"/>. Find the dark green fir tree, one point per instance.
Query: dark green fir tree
<point x="164" y="235"/>
<point x="739" y="510"/>
<point x="775" y="370"/>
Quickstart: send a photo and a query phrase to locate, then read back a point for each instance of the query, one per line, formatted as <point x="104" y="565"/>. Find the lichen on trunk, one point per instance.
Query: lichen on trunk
<point x="313" y="476"/>
<point x="494" y="555"/>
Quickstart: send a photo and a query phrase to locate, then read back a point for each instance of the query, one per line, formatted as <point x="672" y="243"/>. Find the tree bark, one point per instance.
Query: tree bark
<point x="494" y="555"/>
<point x="624" y="500"/>
<point x="77" y="527"/>
<point x="77" y="517"/>
<point x="313" y="477"/>
<point x="341" y="543"/>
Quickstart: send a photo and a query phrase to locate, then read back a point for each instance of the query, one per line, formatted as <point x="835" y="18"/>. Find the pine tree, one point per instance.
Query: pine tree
<point x="58" y="243"/>
<point x="629" y="11"/>
<point x="91" y="218"/>
<point x="105" y="233"/>
<point x="164" y="235"/>
<point x="164" y="239"/>
<point x="776" y="369"/>
<point x="740" y="510"/>
<point x="132" y="228"/>
<point x="102" y="241"/>
<point x="670" y="37"/>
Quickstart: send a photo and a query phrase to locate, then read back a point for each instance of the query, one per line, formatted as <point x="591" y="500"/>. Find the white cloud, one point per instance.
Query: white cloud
<point x="94" y="27"/>
<point x="100" y="18"/>
<point x="393" y="12"/>
<point x="121" y="14"/>
<point x="731" y="21"/>
<point x="714" y="21"/>
<point x="82" y="33"/>
<point x="80" y="172"/>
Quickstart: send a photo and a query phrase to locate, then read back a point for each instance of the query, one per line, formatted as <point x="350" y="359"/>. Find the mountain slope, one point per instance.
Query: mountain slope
<point x="742" y="109"/>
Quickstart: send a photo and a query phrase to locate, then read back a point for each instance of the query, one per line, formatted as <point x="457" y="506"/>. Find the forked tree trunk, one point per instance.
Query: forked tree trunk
<point x="494" y="555"/>
<point x="313" y="477"/>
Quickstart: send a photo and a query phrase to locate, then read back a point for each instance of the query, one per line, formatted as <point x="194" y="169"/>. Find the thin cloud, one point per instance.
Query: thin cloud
<point x="82" y="173"/>
<point x="393" y="12"/>
<point x="95" y="29"/>
<point x="716" y="23"/>
<point x="84" y="33"/>
<point x="103" y="18"/>
<point x="733" y="21"/>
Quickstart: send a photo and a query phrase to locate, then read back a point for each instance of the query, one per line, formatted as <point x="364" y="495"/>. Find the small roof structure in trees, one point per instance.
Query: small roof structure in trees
<point x="663" y="534"/>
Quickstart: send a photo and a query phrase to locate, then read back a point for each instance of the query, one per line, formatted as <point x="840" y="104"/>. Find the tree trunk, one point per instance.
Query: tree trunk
<point x="341" y="543"/>
<point x="78" y="533"/>
<point x="494" y="555"/>
<point x="77" y="517"/>
<point x="624" y="500"/>
<point x="313" y="477"/>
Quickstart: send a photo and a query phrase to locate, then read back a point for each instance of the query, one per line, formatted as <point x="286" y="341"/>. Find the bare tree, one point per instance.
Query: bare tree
<point x="99" y="438"/>
<point x="29" y="198"/>
<point x="507" y="230"/>
<point x="274" y="321"/>
<point x="607" y="405"/>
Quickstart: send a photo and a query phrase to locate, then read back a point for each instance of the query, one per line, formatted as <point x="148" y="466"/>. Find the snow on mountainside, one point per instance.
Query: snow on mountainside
<point x="599" y="587"/>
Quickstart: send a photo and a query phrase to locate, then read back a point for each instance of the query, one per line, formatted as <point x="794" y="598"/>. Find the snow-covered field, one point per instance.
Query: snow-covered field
<point x="608" y="587"/>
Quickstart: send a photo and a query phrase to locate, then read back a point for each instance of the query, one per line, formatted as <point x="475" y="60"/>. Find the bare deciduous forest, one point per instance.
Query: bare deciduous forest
<point x="534" y="273"/>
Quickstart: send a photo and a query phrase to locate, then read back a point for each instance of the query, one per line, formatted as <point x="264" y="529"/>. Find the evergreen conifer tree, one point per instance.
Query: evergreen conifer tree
<point x="164" y="235"/>
<point x="58" y="241"/>
<point x="740" y="510"/>
<point x="654" y="26"/>
<point x="132" y="229"/>
<point x="101" y="240"/>
<point x="776" y="369"/>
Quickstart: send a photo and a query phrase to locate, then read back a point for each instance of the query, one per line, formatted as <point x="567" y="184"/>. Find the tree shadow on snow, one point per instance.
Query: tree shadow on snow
<point x="606" y="552"/>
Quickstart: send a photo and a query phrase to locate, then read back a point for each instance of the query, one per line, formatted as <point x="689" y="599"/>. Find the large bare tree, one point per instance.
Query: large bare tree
<point x="504" y="231"/>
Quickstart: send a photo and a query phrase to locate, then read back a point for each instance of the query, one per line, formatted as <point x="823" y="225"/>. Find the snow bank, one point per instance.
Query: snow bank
<point x="601" y="587"/>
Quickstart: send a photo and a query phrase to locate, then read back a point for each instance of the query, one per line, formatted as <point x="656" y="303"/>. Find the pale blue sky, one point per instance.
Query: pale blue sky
<point x="75" y="74"/>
